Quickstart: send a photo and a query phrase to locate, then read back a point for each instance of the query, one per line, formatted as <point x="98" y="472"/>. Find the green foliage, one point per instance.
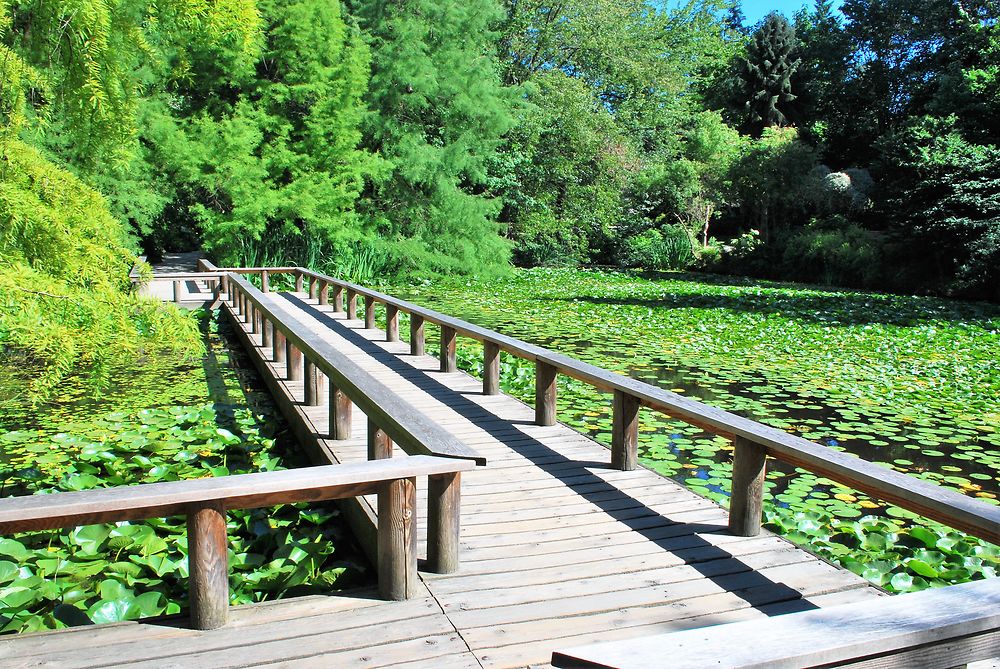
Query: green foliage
<point x="124" y="571"/>
<point x="944" y="200"/>
<point x="659" y="249"/>
<point x="437" y="114"/>
<point x="64" y="264"/>
<point x="766" y="74"/>
<point x="833" y="252"/>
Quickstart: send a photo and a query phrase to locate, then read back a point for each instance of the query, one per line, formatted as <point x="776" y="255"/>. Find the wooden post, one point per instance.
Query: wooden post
<point x="312" y="384"/>
<point x="352" y="305"/>
<point x="340" y="414"/>
<point x="749" y="468"/>
<point x="278" y="345"/>
<point x="324" y="292"/>
<point x="448" y="337"/>
<point x="225" y="284"/>
<point x="298" y="281"/>
<point x="397" y="539"/>
<point x="293" y="362"/>
<point x="312" y="287"/>
<point x="265" y="283"/>
<point x="177" y="292"/>
<point x="338" y="298"/>
<point x="265" y="331"/>
<point x="491" y="368"/>
<point x="545" y="393"/>
<point x="391" y="323"/>
<point x="369" y="312"/>
<point x="254" y="319"/>
<point x="208" y="565"/>
<point x="443" y="525"/>
<point x="416" y="335"/>
<point x="379" y="443"/>
<point x="625" y="432"/>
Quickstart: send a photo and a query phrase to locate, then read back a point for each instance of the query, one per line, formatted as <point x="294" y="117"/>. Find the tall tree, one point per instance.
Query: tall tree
<point x="766" y="74"/>
<point x="826" y="60"/>
<point x="437" y="114"/>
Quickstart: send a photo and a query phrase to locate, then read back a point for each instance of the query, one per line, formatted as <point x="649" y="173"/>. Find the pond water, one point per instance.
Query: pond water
<point x="912" y="383"/>
<point x="157" y="420"/>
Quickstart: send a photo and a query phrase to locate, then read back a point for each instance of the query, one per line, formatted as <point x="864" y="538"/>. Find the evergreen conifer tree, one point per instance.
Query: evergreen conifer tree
<point x="765" y="74"/>
<point x="438" y="111"/>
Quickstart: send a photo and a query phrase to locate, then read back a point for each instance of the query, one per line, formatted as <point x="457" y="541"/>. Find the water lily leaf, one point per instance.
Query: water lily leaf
<point x="112" y="611"/>
<point x="922" y="568"/>
<point x="13" y="549"/>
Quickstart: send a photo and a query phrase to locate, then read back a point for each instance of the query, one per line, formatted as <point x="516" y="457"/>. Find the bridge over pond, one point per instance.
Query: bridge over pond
<point x="499" y="534"/>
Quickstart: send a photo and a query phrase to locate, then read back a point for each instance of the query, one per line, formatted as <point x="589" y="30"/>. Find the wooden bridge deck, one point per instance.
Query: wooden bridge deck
<point x="558" y="549"/>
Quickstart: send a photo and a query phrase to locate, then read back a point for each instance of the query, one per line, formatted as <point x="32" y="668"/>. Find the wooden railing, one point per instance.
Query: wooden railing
<point x="753" y="441"/>
<point x="205" y="501"/>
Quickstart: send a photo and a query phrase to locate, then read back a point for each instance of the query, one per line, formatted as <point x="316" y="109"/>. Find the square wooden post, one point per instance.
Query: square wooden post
<point x="278" y="345"/>
<point x="379" y="443"/>
<point x="312" y="383"/>
<point x="340" y="414"/>
<point x="324" y="292"/>
<point x="369" y="313"/>
<point x="391" y="323"/>
<point x="293" y="362"/>
<point x="338" y="298"/>
<point x="352" y="305"/>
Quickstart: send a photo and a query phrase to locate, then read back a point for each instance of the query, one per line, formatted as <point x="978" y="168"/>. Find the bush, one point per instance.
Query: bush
<point x="833" y="251"/>
<point x="668" y="247"/>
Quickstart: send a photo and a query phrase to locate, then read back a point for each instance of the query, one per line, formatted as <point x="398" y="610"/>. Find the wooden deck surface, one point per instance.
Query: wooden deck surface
<point x="558" y="550"/>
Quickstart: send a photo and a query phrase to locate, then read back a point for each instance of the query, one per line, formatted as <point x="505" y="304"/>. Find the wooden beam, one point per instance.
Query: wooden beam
<point x="624" y="432"/>
<point x="340" y="414"/>
<point x="443" y="522"/>
<point x="448" y="346"/>
<point x="491" y="368"/>
<point x="416" y="335"/>
<point x="391" y="323"/>
<point x="746" y="502"/>
<point x="545" y="394"/>
<point x="208" y="565"/>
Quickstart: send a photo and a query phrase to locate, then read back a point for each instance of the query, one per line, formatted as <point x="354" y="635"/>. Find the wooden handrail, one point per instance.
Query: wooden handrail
<point x="753" y="441"/>
<point x="205" y="501"/>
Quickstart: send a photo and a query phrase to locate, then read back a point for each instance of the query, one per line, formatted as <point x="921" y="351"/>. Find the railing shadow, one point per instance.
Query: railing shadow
<point x="705" y="557"/>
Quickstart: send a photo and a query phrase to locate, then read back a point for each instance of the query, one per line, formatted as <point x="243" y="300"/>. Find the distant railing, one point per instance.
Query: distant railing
<point x="753" y="441"/>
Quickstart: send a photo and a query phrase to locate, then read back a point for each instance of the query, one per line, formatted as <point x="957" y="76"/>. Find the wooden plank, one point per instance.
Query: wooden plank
<point x="826" y="636"/>
<point x="148" y="500"/>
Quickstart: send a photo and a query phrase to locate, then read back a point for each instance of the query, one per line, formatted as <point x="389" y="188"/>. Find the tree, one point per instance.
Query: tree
<point x="826" y="61"/>
<point x="766" y="73"/>
<point x="437" y="115"/>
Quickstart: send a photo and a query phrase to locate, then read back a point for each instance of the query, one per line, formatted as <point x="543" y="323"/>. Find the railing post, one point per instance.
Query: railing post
<point x="369" y="312"/>
<point x="225" y="284"/>
<point x="338" y="298"/>
<point x="208" y="565"/>
<point x="448" y="337"/>
<point x="545" y="393"/>
<point x="298" y="281"/>
<point x="312" y="383"/>
<point x="312" y="287"/>
<point x="254" y="319"/>
<point x="340" y="414"/>
<point x="352" y="305"/>
<point x="416" y="335"/>
<point x="379" y="443"/>
<point x="491" y="368"/>
<point x="277" y="344"/>
<point x="324" y="292"/>
<point x="177" y="292"/>
<point x="265" y="331"/>
<point x="625" y="432"/>
<point x="293" y="361"/>
<point x="397" y="539"/>
<point x="443" y="512"/>
<point x="244" y="304"/>
<point x="745" y="504"/>
<point x="391" y="323"/>
<point x="265" y="283"/>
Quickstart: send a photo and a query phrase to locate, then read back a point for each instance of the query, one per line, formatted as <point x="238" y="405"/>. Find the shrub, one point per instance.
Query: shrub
<point x="668" y="247"/>
<point x="833" y="251"/>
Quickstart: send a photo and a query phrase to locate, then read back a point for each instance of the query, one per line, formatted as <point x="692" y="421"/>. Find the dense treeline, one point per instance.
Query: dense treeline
<point x="857" y="147"/>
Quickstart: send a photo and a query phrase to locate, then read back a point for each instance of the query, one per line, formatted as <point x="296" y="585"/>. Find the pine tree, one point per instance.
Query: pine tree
<point x="766" y="73"/>
<point x="437" y="114"/>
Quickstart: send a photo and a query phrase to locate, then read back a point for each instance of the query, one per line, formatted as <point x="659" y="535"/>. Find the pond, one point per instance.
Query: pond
<point x="158" y="420"/>
<point x="908" y="382"/>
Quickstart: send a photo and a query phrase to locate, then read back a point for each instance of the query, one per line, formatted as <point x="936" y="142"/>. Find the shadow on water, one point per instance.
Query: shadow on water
<point x="672" y="535"/>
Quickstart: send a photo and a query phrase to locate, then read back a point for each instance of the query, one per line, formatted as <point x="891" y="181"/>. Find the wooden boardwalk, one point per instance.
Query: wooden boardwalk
<point x="558" y="548"/>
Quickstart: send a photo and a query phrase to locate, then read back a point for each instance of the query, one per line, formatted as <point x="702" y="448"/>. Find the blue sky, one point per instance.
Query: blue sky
<point x="755" y="10"/>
